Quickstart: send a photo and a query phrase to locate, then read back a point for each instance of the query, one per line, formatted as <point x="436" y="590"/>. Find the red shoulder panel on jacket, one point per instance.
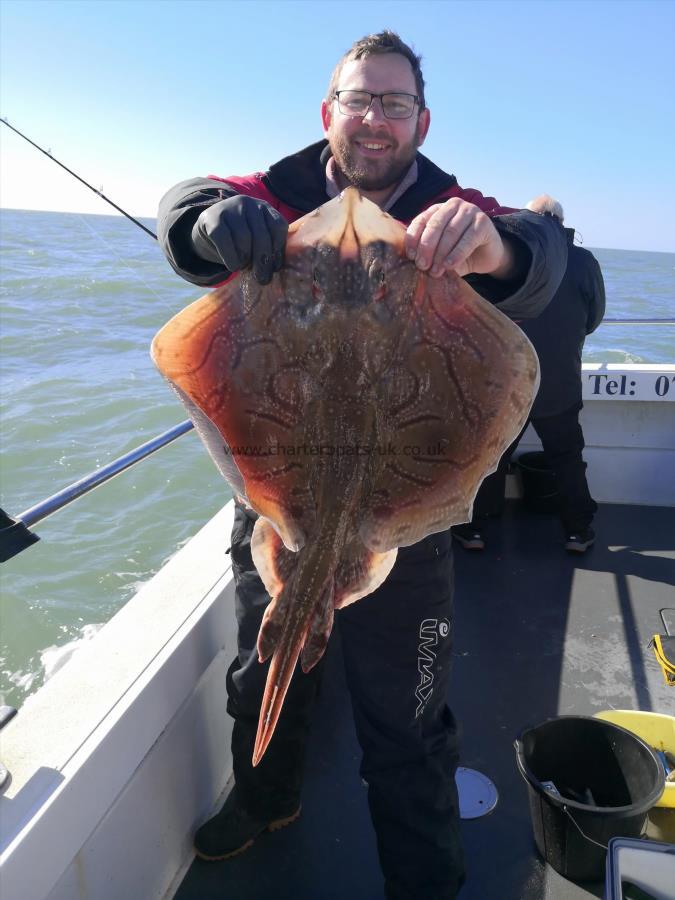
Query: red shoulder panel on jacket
<point x="487" y="204"/>
<point x="253" y="186"/>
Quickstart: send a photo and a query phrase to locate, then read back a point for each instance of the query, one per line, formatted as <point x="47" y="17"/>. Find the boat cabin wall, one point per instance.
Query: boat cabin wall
<point x="628" y="421"/>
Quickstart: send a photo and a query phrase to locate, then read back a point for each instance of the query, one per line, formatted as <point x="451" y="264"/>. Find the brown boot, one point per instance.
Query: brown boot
<point x="233" y="830"/>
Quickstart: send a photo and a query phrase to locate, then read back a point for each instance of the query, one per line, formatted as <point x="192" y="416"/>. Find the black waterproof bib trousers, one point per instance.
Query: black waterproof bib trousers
<point x="397" y="647"/>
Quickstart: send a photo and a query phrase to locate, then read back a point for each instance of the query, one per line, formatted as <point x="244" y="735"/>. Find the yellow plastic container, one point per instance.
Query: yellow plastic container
<point x="655" y="729"/>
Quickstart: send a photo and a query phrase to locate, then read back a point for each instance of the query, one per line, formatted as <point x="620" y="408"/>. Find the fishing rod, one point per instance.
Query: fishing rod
<point x="99" y="193"/>
<point x="15" y="533"/>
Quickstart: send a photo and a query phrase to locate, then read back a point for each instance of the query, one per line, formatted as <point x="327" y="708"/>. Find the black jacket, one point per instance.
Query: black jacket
<point x="558" y="334"/>
<point x="297" y="184"/>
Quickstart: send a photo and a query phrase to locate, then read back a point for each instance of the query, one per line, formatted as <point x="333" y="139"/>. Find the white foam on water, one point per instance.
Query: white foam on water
<point x="612" y="355"/>
<point x="22" y="680"/>
<point x="55" y="657"/>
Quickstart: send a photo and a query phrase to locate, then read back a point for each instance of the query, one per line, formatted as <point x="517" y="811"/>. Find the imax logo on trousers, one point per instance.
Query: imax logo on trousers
<point x="431" y="632"/>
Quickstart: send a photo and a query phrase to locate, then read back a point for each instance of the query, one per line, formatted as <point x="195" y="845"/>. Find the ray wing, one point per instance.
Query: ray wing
<point x="243" y="385"/>
<point x="456" y="397"/>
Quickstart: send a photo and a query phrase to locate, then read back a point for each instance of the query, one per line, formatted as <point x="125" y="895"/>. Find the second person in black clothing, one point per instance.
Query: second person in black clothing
<point x="558" y="336"/>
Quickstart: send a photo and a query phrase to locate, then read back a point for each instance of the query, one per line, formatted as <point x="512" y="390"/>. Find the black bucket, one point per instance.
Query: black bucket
<point x="588" y="781"/>
<point x="540" y="485"/>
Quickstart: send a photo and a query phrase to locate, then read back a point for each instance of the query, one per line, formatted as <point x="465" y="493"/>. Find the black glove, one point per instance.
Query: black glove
<point x="239" y="232"/>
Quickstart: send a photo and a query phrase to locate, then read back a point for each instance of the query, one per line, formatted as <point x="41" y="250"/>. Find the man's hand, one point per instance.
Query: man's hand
<point x="458" y="235"/>
<point x="239" y="232"/>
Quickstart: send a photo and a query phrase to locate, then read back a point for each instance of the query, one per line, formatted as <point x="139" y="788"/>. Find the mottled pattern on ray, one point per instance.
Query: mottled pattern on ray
<point x="356" y="404"/>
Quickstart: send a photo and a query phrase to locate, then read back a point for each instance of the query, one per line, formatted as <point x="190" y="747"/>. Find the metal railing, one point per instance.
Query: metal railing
<point x="15" y="533"/>
<point x="638" y="322"/>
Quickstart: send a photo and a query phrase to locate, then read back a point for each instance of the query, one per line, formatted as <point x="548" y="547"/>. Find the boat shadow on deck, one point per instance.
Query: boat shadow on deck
<point x="538" y="633"/>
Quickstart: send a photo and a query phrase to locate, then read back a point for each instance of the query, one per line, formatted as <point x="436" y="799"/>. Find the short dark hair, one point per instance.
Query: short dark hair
<point x="372" y="45"/>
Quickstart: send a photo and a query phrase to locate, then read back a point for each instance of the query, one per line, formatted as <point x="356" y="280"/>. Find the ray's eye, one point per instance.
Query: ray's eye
<point x="378" y="281"/>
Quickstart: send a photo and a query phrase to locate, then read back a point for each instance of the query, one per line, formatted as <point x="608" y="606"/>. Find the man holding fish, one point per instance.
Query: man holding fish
<point x="397" y="640"/>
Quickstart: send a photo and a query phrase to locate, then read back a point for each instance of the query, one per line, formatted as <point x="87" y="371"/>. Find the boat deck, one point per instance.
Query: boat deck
<point x="538" y="633"/>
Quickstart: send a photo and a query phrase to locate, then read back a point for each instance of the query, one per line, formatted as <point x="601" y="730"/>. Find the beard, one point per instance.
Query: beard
<point x="373" y="174"/>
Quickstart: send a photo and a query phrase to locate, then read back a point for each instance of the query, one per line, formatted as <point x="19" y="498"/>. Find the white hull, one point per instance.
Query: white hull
<point x="118" y="756"/>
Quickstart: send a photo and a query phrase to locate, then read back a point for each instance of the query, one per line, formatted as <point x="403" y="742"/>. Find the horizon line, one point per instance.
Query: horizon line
<point x="113" y="214"/>
<point x="73" y="212"/>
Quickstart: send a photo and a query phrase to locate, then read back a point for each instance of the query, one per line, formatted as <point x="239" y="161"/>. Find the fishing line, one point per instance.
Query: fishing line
<point x="113" y="252"/>
<point x="48" y="153"/>
<point x="100" y="194"/>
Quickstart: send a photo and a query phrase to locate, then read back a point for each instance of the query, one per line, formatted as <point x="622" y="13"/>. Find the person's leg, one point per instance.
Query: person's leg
<point x="489" y="502"/>
<point x="397" y="646"/>
<point x="269" y="793"/>
<point x="563" y="442"/>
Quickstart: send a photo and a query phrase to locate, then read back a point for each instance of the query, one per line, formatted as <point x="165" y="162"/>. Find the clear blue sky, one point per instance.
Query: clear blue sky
<point x="574" y="99"/>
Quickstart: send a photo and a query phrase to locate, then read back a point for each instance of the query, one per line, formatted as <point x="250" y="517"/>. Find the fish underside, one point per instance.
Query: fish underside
<point x="355" y="403"/>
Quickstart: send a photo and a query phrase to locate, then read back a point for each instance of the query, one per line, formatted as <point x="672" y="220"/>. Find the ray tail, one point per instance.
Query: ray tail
<point x="279" y="676"/>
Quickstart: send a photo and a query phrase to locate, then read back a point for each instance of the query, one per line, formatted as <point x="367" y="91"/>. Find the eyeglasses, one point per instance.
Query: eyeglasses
<point x="394" y="106"/>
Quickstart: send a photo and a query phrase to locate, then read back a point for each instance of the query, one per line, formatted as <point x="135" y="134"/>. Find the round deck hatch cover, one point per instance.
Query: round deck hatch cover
<point x="477" y="794"/>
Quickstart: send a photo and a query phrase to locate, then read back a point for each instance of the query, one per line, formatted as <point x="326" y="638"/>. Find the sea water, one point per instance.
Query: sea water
<point x="80" y="300"/>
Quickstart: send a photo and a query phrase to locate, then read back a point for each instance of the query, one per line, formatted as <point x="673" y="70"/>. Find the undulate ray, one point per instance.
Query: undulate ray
<point x="355" y="403"/>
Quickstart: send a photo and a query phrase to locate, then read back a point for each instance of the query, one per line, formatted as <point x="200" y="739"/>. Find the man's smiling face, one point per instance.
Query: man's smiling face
<point x="372" y="151"/>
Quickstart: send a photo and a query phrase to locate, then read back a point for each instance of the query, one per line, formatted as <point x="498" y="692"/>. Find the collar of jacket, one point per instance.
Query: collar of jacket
<point x="299" y="181"/>
<point x="569" y="234"/>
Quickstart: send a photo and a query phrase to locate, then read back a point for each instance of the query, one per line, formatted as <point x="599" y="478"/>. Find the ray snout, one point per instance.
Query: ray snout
<point x="366" y="223"/>
<point x="349" y="247"/>
<point x="349" y="223"/>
